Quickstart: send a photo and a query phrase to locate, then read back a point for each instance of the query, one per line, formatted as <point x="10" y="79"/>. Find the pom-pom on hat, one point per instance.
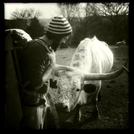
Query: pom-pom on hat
<point x="59" y="25"/>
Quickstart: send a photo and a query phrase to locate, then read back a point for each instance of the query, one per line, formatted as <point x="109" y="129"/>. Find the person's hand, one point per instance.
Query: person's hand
<point x="52" y="58"/>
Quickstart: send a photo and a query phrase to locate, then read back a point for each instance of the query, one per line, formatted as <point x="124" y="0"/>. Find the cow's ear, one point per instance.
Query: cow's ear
<point x="53" y="83"/>
<point x="89" y="88"/>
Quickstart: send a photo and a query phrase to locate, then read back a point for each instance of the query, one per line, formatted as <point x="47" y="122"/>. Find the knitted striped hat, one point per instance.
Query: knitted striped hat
<point x="59" y="25"/>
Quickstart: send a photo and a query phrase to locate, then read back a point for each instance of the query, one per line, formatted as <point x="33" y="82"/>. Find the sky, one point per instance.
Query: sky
<point x="48" y="10"/>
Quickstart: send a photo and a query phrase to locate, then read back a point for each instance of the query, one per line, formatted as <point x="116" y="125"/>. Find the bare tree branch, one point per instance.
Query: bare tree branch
<point x="68" y="10"/>
<point x="114" y="12"/>
<point x="25" y="15"/>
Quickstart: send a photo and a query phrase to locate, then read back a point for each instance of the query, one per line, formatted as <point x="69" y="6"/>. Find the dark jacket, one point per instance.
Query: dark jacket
<point x="33" y="63"/>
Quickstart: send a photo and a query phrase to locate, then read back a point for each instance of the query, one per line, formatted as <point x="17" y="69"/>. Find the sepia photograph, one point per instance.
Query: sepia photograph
<point x="66" y="65"/>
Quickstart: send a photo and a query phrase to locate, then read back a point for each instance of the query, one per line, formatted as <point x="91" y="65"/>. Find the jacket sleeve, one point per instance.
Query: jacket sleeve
<point x="38" y="62"/>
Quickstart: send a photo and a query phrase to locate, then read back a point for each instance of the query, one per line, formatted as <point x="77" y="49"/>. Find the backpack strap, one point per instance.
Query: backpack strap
<point x="43" y="42"/>
<point x="22" y="90"/>
<point x="18" y="69"/>
<point x="54" y="111"/>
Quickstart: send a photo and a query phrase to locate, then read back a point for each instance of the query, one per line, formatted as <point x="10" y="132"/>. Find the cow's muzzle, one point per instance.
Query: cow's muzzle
<point x="62" y="107"/>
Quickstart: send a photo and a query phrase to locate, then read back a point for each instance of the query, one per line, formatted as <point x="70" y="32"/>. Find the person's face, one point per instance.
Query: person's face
<point x="64" y="40"/>
<point x="57" y="43"/>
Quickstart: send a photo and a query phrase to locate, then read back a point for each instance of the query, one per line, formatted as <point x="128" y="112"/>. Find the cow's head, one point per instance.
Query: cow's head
<point x="72" y="88"/>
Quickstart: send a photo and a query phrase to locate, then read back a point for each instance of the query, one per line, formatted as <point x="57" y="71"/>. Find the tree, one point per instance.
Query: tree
<point x="35" y="29"/>
<point x="116" y="13"/>
<point x="88" y="19"/>
<point x="25" y="15"/>
<point x="108" y="21"/>
<point x="90" y="15"/>
<point x="30" y="18"/>
<point x="68" y="10"/>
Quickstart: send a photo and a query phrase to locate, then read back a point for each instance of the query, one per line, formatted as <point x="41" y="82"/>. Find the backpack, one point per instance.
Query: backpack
<point x="15" y="39"/>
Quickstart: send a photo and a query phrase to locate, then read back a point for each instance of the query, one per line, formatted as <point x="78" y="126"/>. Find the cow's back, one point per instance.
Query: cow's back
<point x="93" y="56"/>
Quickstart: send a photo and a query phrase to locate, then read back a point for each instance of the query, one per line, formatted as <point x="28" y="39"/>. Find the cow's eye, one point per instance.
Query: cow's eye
<point x="77" y="89"/>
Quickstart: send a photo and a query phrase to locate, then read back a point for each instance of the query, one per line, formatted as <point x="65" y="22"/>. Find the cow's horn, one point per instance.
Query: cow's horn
<point x="58" y="68"/>
<point x="103" y="76"/>
<point x="126" y="69"/>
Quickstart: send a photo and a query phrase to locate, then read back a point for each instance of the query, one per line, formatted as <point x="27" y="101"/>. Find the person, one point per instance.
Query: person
<point x="36" y="66"/>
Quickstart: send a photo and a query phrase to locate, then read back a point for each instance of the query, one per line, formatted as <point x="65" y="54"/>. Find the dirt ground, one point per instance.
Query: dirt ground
<point x="113" y="107"/>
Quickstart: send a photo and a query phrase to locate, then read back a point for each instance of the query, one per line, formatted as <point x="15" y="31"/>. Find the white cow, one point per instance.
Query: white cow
<point x="91" y="63"/>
